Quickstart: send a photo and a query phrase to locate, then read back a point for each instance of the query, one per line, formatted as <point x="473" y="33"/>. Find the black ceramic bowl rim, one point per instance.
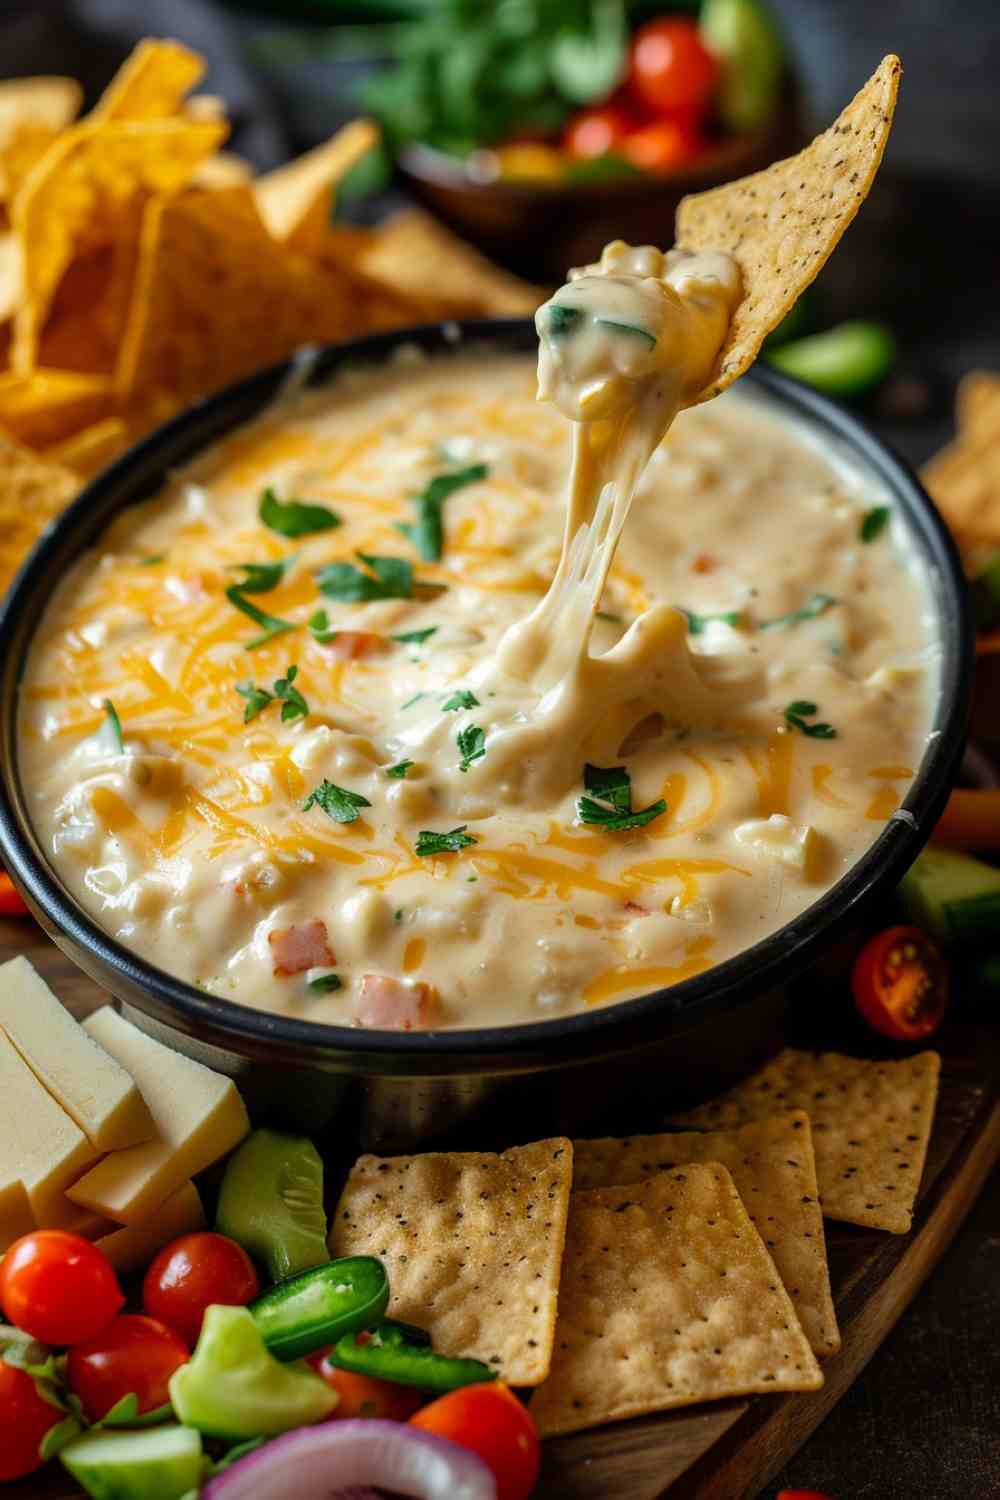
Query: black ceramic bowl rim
<point x="510" y="1049"/>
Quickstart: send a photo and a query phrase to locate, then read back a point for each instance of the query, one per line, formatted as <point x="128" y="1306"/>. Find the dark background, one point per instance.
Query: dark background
<point x="924" y="1418"/>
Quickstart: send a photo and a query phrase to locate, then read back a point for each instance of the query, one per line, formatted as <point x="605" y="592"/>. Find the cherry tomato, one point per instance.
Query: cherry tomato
<point x="11" y="904"/>
<point x="491" y="1421"/>
<point x="131" y="1355"/>
<point x="595" y="132"/>
<point x="663" y="146"/>
<point x="364" y="1396"/>
<point x="58" y="1287"/>
<point x="670" y="67"/>
<point x="25" y="1418"/>
<point x="190" y="1274"/>
<point x="901" y="984"/>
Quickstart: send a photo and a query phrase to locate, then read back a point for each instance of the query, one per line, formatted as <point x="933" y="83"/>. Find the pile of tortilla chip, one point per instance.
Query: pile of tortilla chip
<point x="142" y="267"/>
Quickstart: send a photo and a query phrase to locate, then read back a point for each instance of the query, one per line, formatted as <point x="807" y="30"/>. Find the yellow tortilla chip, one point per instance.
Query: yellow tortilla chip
<point x="473" y="1245"/>
<point x="91" y="449"/>
<point x="223" y="170"/>
<point x="286" y="195"/>
<point x="871" y="1124"/>
<point x="32" y="113"/>
<point x="10" y="275"/>
<point x="86" y="191"/>
<point x="977" y="404"/>
<point x="32" y="493"/>
<point x="48" y="405"/>
<point x="963" y="480"/>
<point x="151" y="84"/>
<point x="668" y="1298"/>
<point x="781" y="225"/>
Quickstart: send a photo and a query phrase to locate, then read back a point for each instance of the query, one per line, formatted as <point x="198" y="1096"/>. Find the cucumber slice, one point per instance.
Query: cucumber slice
<point x="744" y="38"/>
<point x="985" y="589"/>
<point x="844" y="361"/>
<point x="271" y="1202"/>
<point x="162" y="1463"/>
<point x="952" y="896"/>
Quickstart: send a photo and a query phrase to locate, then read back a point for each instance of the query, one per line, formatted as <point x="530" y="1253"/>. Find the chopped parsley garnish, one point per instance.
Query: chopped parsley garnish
<point x="443" y="843"/>
<point x="293" y="518"/>
<point x="427" y="532"/>
<point x="257" y="699"/>
<point x="462" y="699"/>
<point x="563" y="319"/>
<point x="613" y="786"/>
<point x="319" y="627"/>
<point x="399" y="770"/>
<point x="697" y="623"/>
<point x="798" y="712"/>
<point x="336" y="801"/>
<point x="873" y="522"/>
<point x="115" y="725"/>
<point x="630" y="328"/>
<point x="150" y="562"/>
<point x="293" y="705"/>
<point x="415" y="637"/>
<point x="471" y="745"/>
<point x="811" y="610"/>
<point x="325" y="983"/>
<point x="260" y="579"/>
<point x="389" y="578"/>
<point x="263" y="577"/>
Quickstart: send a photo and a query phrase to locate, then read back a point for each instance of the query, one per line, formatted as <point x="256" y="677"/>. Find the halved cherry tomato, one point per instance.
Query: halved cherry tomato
<point x="670" y="67"/>
<point x="491" y="1421"/>
<point x="11" y="904"/>
<point x="364" y="1396"/>
<point x="901" y="984"/>
<point x="192" y="1273"/>
<point x="25" y="1418"/>
<point x="58" y="1286"/>
<point x="131" y="1355"/>
<point x="595" y="132"/>
<point x="663" y="146"/>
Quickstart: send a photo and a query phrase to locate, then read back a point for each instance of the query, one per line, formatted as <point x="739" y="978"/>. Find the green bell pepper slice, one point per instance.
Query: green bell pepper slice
<point x="390" y="1352"/>
<point x="318" y="1307"/>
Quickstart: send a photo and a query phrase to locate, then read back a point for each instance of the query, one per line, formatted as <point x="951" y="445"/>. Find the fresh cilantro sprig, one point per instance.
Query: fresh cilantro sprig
<point x="429" y="843"/>
<point x="697" y="623"/>
<point x="294" y="518"/>
<point x="815" y="606"/>
<point x="387" y="578"/>
<point x="471" y="743"/>
<point x="613" y="786"/>
<point x="260" y="578"/>
<point x="337" y="802"/>
<point x="873" y="522"/>
<point x="798" y="712"/>
<point x="415" y="637"/>
<point x="399" y="770"/>
<point x="462" y="699"/>
<point x="293" y="705"/>
<point x="319" y="627"/>
<point x="427" y="532"/>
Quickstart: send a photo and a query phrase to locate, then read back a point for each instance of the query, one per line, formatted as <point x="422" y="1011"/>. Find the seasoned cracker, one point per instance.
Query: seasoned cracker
<point x="668" y="1298"/>
<point x="473" y="1245"/>
<point x="871" y="1123"/>
<point x="781" y="225"/>
<point x="772" y="1164"/>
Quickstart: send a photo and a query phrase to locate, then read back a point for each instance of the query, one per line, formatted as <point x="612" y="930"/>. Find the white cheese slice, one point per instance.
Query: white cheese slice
<point x="92" y="1087"/>
<point x="777" y="837"/>
<point x="198" y="1115"/>
<point x="134" y="1246"/>
<point x="39" y="1143"/>
<point x="16" y="1217"/>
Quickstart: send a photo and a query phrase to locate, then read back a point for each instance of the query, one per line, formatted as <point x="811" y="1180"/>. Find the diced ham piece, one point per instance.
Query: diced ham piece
<point x="300" y="947"/>
<point x="391" y="1005"/>
<point x="349" y="645"/>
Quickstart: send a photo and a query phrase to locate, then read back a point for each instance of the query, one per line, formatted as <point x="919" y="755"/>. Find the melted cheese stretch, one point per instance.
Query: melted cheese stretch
<point x="195" y="846"/>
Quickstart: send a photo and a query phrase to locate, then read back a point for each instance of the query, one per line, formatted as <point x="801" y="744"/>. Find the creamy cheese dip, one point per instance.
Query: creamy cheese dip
<point x="741" y="620"/>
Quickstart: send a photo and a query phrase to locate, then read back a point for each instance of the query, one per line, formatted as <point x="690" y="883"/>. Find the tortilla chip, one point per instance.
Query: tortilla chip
<point x="88" y="315"/>
<point x="46" y="406"/>
<point x="963" y="480"/>
<point x="223" y="170"/>
<point x="418" y="258"/>
<point x="32" y="493"/>
<point x="151" y="84"/>
<point x="49" y="102"/>
<point x="668" y="1298"/>
<point x="286" y="195"/>
<point x="772" y="1164"/>
<point x="87" y="191"/>
<point x="473" y="1246"/>
<point x="871" y="1122"/>
<point x="783" y="224"/>
<point x="91" y="449"/>
<point x="977" y="404"/>
<point x="10" y="276"/>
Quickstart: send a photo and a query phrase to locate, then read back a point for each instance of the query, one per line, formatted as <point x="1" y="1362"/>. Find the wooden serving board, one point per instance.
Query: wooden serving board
<point x="724" y="1451"/>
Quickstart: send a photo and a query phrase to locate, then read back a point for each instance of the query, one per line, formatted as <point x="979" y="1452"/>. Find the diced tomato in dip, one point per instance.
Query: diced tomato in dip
<point x="300" y="947"/>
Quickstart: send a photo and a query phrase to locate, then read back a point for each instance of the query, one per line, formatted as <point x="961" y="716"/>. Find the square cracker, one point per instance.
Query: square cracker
<point x="782" y="224"/>
<point x="668" y="1298"/>
<point x="772" y="1164"/>
<point x="871" y="1122"/>
<point x="473" y="1246"/>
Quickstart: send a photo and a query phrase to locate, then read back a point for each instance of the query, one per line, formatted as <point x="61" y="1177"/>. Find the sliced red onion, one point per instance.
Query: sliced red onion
<point x="334" y="1460"/>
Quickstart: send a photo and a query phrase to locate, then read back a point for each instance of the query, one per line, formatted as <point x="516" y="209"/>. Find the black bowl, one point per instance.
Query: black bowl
<point x="393" y="1088"/>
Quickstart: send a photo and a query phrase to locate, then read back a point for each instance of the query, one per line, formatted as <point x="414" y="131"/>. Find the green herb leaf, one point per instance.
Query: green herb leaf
<point x="629" y="328"/>
<point x="270" y="624"/>
<point x="336" y="801"/>
<point x="293" y="518"/>
<point x="443" y="843"/>
<point x="150" y="562"/>
<point x="410" y="701"/>
<point x="811" y="610"/>
<point x="58" y="1437"/>
<point x="262" y="577"/>
<point x="427" y="533"/>
<point x="399" y="770"/>
<point x="293" y="705"/>
<point x="257" y="699"/>
<point x="390" y="578"/>
<point x="874" y="522"/>
<point x="319" y="626"/>
<point x="798" y="712"/>
<point x="563" y="320"/>
<point x="462" y="699"/>
<point x="471" y="745"/>
<point x="325" y="983"/>
<point x="697" y="623"/>
<point x="115" y="725"/>
<point x="613" y="785"/>
<point x="415" y="637"/>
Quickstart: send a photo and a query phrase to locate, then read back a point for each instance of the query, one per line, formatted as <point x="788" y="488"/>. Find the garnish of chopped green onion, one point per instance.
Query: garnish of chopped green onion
<point x="337" y="802"/>
<point x="697" y="623"/>
<point x="471" y="745"/>
<point x="798" y="712"/>
<point x="613" y="786"/>
<point x="629" y="328"/>
<point x="462" y="699"/>
<point x="410" y="701"/>
<point x="873" y="522"/>
<point x="427" y="532"/>
<point x="389" y="578"/>
<point x="429" y="843"/>
<point x="817" y="605"/>
<point x="294" y="518"/>
<point x="325" y="984"/>
<point x="562" y="319"/>
<point x="115" y="725"/>
<point x="399" y="770"/>
<point x="270" y="624"/>
<point x="415" y="637"/>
